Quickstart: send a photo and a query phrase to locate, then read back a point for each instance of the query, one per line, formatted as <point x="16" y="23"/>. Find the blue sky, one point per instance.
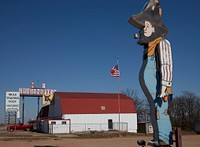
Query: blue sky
<point x="72" y="45"/>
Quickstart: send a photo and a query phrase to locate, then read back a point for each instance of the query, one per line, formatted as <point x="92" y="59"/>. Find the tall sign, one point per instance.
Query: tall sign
<point x="35" y="91"/>
<point x="13" y="102"/>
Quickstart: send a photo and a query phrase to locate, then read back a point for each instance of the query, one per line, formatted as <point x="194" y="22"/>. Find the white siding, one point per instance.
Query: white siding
<point x="55" y="126"/>
<point x="98" y="122"/>
<point x="58" y="129"/>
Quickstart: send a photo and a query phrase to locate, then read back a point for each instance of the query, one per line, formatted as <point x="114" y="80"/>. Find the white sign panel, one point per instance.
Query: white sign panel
<point x="12" y="101"/>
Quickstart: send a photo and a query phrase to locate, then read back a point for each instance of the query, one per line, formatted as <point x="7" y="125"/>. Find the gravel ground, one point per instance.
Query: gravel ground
<point x="94" y="139"/>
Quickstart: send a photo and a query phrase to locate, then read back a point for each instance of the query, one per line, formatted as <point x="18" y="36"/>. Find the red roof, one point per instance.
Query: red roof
<point x="95" y="103"/>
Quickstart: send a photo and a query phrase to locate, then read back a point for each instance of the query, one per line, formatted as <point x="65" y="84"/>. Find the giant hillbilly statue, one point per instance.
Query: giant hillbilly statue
<point x="155" y="76"/>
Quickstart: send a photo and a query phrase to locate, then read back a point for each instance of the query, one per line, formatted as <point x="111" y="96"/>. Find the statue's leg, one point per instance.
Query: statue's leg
<point x="164" y="123"/>
<point x="148" y="83"/>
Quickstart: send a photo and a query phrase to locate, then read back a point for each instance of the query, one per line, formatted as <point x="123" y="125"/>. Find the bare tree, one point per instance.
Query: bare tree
<point x="185" y="110"/>
<point x="139" y="103"/>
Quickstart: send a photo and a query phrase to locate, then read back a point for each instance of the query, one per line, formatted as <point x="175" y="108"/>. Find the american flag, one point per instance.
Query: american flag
<point x="115" y="71"/>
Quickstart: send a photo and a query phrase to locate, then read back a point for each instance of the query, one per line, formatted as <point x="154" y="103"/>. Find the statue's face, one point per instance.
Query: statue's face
<point x="148" y="29"/>
<point x="148" y="33"/>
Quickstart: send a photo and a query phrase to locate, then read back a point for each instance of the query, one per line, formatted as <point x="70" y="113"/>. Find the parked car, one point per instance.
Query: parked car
<point x="197" y="127"/>
<point x="20" y="127"/>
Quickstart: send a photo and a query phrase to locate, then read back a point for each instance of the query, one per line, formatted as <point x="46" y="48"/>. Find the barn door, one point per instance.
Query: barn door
<point x="110" y="124"/>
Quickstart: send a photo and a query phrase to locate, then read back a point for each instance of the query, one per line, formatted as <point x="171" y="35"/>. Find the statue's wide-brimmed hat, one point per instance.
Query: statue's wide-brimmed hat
<point x="151" y="13"/>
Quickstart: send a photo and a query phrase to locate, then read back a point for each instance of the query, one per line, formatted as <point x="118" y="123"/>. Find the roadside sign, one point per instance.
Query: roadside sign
<point x="12" y="102"/>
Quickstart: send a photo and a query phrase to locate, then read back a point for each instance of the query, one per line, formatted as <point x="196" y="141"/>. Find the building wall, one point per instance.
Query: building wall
<point x="55" y="108"/>
<point x="55" y="126"/>
<point x="145" y="127"/>
<point x="99" y="122"/>
<point x="59" y="126"/>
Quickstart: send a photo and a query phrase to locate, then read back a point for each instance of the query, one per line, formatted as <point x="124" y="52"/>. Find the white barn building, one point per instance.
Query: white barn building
<point x="77" y="112"/>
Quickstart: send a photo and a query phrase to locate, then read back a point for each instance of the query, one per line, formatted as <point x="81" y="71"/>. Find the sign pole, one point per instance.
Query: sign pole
<point x="22" y="109"/>
<point x="38" y="105"/>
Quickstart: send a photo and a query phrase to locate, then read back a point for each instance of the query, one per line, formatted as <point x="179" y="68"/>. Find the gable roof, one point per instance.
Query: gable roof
<point x="44" y="112"/>
<point x="94" y="103"/>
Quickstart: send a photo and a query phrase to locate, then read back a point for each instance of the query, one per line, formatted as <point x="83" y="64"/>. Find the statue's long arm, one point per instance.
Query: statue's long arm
<point x="166" y="65"/>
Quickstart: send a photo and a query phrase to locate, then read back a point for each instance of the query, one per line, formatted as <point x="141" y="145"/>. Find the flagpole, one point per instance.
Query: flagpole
<point x="118" y="95"/>
<point x="115" y="72"/>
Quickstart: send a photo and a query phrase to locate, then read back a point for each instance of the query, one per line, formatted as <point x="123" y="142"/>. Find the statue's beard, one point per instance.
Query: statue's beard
<point x="145" y="40"/>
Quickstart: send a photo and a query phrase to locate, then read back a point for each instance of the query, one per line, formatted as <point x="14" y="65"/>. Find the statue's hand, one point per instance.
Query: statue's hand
<point x="163" y="91"/>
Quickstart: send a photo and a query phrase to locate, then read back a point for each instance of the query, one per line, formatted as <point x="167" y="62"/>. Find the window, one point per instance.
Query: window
<point x="53" y="123"/>
<point x="103" y="108"/>
<point x="64" y="123"/>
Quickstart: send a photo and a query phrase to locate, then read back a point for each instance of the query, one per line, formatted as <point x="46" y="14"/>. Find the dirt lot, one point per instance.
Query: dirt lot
<point x="94" y="139"/>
